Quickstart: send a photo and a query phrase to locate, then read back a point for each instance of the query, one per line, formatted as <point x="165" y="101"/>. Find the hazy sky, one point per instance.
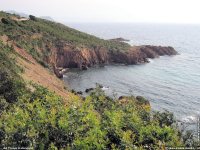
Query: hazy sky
<point x="160" y="11"/>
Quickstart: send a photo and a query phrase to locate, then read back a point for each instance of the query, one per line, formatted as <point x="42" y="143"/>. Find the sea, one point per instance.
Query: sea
<point x="170" y="83"/>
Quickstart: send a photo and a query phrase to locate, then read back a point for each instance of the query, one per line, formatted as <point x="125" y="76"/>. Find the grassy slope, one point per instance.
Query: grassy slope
<point x="31" y="70"/>
<point x="39" y="34"/>
<point x="21" y="66"/>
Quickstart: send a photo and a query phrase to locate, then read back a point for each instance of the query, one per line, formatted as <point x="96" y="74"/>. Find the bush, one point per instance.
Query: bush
<point x="98" y="122"/>
<point x="5" y="21"/>
<point x="7" y="87"/>
<point x="32" y="18"/>
<point x="164" y="118"/>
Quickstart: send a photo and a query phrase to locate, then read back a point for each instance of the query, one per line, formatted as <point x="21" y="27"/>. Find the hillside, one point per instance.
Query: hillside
<point x="33" y="117"/>
<point x="57" y="47"/>
<point x="38" y="112"/>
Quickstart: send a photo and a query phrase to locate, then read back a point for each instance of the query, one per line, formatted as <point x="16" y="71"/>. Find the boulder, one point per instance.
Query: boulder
<point x="89" y="89"/>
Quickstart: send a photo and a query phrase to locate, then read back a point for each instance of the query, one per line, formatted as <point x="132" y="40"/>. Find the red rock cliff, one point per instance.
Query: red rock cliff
<point x="64" y="55"/>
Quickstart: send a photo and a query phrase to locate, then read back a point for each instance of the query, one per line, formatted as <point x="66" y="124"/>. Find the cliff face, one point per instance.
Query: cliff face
<point x="63" y="55"/>
<point x="67" y="56"/>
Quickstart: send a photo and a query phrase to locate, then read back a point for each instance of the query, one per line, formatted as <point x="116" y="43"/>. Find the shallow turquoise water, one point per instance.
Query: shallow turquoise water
<point x="171" y="83"/>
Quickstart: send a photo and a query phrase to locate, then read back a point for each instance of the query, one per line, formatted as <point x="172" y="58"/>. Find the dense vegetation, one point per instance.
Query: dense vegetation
<point x="40" y="119"/>
<point x="32" y="116"/>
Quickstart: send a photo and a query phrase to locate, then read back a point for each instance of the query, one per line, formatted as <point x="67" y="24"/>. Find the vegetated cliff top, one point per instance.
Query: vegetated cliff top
<point x="56" y="46"/>
<point x="18" y="30"/>
<point x="27" y="46"/>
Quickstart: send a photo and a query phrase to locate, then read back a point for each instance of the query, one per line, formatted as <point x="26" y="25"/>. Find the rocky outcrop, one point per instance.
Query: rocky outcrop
<point x="88" y="90"/>
<point x="64" y="55"/>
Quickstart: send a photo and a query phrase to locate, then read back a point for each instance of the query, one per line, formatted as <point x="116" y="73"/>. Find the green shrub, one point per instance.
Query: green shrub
<point x="98" y="122"/>
<point x="32" y="17"/>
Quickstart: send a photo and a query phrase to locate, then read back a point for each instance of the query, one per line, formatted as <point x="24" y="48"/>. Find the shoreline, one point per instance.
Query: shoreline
<point x="90" y="58"/>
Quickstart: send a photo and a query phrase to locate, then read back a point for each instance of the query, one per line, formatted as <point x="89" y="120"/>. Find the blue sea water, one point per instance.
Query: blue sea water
<point x="170" y="83"/>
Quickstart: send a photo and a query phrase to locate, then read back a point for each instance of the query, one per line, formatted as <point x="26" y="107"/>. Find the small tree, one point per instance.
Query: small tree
<point x="7" y="87"/>
<point x="5" y="21"/>
<point x="32" y="18"/>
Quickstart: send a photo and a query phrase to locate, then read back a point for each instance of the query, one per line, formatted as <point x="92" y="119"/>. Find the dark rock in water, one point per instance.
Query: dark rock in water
<point x="89" y="89"/>
<point x="148" y="61"/>
<point x="99" y="85"/>
<point x="73" y="91"/>
<point x="142" y="100"/>
<point x="80" y="92"/>
<point x="121" y="97"/>
<point x="84" y="67"/>
<point x="77" y="93"/>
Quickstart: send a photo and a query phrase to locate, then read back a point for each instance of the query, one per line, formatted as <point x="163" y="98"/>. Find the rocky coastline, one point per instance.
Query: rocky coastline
<point x="66" y="56"/>
<point x="71" y="48"/>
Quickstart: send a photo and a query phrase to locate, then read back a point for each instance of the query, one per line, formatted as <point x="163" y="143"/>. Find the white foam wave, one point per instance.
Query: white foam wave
<point x="190" y="119"/>
<point x="150" y="60"/>
<point x="105" y="88"/>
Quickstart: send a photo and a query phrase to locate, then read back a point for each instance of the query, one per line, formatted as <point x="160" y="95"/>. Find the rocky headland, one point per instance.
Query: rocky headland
<point x="66" y="56"/>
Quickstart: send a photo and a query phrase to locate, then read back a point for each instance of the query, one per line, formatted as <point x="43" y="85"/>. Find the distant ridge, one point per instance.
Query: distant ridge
<point x="21" y="14"/>
<point x="47" y="18"/>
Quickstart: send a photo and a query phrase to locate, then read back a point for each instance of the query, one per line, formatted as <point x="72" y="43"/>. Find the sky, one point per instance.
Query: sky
<point x="124" y="11"/>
